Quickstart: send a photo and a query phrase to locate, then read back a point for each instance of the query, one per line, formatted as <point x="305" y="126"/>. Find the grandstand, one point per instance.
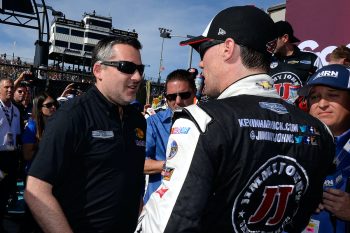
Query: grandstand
<point x="72" y="41"/>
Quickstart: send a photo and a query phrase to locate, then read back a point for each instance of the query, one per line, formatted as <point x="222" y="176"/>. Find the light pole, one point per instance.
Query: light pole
<point x="164" y="33"/>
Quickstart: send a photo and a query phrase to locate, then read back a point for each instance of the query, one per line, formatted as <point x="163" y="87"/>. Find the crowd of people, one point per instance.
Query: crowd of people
<point x="258" y="141"/>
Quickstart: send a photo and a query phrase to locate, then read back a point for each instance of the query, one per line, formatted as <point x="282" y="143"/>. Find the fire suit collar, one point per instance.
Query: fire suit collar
<point x="251" y="85"/>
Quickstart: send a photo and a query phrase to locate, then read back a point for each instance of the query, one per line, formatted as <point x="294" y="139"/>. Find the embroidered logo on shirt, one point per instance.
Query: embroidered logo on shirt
<point x="139" y="133"/>
<point x="102" y="134"/>
<point x="180" y="130"/>
<point x="162" y="191"/>
<point x="167" y="172"/>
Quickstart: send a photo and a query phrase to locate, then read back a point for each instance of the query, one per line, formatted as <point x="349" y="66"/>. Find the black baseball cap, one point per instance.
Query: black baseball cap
<point x="283" y="27"/>
<point x="247" y="25"/>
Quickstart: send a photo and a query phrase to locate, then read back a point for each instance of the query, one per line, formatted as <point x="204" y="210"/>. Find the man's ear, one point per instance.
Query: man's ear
<point x="229" y="47"/>
<point x="96" y="70"/>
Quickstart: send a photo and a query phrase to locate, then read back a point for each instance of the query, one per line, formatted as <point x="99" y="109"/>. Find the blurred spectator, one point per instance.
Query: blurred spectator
<point x="340" y="55"/>
<point x="290" y="67"/>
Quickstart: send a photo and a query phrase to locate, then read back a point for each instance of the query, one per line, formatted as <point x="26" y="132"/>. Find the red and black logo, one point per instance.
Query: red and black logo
<point x="287" y="85"/>
<point x="271" y="197"/>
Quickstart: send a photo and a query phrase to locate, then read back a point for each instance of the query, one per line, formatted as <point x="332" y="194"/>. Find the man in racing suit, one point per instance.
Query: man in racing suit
<point x="247" y="161"/>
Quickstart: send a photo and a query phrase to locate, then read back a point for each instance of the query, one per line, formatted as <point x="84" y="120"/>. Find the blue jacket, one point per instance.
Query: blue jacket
<point x="158" y="131"/>
<point x="324" y="222"/>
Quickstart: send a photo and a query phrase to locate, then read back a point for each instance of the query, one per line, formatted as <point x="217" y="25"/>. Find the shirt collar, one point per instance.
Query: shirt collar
<point x="259" y="84"/>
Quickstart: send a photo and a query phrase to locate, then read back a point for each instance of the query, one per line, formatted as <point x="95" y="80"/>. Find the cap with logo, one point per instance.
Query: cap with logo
<point x="283" y="27"/>
<point x="336" y="76"/>
<point x="246" y="25"/>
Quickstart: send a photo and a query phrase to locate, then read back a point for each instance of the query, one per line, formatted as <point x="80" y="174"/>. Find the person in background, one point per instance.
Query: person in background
<point x="290" y="67"/>
<point x="87" y="175"/>
<point x="340" y="55"/>
<point x="328" y="96"/>
<point x="179" y="92"/>
<point x="44" y="106"/>
<point x="10" y="130"/>
<point x="246" y="161"/>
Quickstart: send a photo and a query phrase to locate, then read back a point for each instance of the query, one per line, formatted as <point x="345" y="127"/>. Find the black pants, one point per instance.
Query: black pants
<point x="9" y="165"/>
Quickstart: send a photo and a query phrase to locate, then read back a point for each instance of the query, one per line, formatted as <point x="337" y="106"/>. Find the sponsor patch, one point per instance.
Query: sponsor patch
<point x="265" y="85"/>
<point x="167" y="172"/>
<point x="139" y="133"/>
<point x="306" y="62"/>
<point x="312" y="227"/>
<point x="287" y="85"/>
<point x="293" y="62"/>
<point x="102" y="134"/>
<point x="180" y="130"/>
<point x="271" y="197"/>
<point x="275" y="107"/>
<point x="173" y="149"/>
<point x="273" y="65"/>
<point x="162" y="191"/>
<point x="140" y="143"/>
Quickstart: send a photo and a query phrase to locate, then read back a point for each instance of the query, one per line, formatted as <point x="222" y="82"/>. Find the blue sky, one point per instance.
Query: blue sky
<point x="183" y="17"/>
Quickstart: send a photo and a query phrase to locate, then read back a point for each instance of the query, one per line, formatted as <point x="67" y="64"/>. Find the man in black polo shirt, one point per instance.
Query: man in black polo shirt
<point x="88" y="172"/>
<point x="290" y="67"/>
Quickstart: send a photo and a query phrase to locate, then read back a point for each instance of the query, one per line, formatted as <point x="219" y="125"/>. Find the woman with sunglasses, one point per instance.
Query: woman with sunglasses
<point x="44" y="106"/>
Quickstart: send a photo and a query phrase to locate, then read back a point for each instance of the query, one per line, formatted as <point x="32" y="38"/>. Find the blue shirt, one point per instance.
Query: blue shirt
<point x="157" y="135"/>
<point x="323" y="219"/>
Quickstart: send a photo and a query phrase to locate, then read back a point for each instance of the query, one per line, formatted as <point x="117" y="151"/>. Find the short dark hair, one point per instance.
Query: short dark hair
<point x="103" y="49"/>
<point x="181" y="75"/>
<point x="253" y="59"/>
<point x="341" y="52"/>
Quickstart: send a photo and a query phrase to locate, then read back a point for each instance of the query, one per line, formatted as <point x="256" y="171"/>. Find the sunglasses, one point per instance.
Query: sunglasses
<point x="49" y="105"/>
<point x="183" y="95"/>
<point x="203" y="47"/>
<point x="126" y="67"/>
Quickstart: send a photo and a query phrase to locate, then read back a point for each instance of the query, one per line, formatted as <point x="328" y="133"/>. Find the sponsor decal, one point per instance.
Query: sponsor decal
<point x="275" y="107"/>
<point x="298" y="139"/>
<point x="327" y="73"/>
<point x="303" y="128"/>
<point x="287" y="85"/>
<point x="314" y="130"/>
<point x="180" y="130"/>
<point x="271" y="136"/>
<point x="140" y="143"/>
<point x="273" y="65"/>
<point x="306" y="62"/>
<point x="221" y="32"/>
<point x="271" y="197"/>
<point x="139" y="133"/>
<point x="268" y="124"/>
<point x="293" y="62"/>
<point x="173" y="149"/>
<point x="312" y="227"/>
<point x="167" y="172"/>
<point x="102" y="134"/>
<point x="162" y="191"/>
<point x="265" y="85"/>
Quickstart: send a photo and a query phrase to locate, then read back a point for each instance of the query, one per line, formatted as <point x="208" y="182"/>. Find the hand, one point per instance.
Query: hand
<point x="24" y="74"/>
<point x="69" y="88"/>
<point x="338" y="203"/>
<point x="319" y="208"/>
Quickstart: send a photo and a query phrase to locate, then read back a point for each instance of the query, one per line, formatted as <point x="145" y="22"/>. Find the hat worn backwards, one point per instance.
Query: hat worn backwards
<point x="335" y="76"/>
<point x="283" y="27"/>
<point x="246" y="25"/>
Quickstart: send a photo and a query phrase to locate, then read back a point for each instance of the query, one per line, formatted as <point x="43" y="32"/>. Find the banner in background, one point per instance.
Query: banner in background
<point x="320" y="25"/>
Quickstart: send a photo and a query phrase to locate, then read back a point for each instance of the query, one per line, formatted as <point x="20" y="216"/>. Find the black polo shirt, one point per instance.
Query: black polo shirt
<point x="94" y="160"/>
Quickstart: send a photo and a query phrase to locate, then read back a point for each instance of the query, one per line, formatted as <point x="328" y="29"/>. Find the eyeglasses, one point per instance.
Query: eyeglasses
<point x="203" y="47"/>
<point x="126" y="67"/>
<point x="49" y="105"/>
<point x="183" y="95"/>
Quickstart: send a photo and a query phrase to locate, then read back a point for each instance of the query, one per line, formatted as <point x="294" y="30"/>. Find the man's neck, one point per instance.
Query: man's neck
<point x="6" y="102"/>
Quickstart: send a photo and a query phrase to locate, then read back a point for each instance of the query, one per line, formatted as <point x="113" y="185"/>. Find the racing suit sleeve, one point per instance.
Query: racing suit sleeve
<point x="176" y="205"/>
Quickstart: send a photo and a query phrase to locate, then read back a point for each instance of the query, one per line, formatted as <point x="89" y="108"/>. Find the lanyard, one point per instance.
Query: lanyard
<point x="5" y="110"/>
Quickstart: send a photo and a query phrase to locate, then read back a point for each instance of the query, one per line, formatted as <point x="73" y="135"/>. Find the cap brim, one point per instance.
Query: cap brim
<point x="195" y="41"/>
